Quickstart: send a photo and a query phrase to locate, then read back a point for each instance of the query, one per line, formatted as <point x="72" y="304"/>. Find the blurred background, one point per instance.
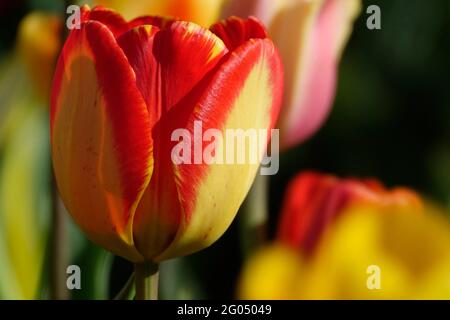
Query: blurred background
<point x="390" y="120"/>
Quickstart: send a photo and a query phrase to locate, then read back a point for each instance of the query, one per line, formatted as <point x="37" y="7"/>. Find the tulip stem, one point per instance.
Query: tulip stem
<point x="58" y="246"/>
<point x="127" y="292"/>
<point x="146" y="276"/>
<point x="253" y="220"/>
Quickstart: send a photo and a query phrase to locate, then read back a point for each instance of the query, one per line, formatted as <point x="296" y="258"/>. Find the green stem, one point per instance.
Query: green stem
<point x="127" y="290"/>
<point x="58" y="248"/>
<point x="146" y="279"/>
<point x="254" y="216"/>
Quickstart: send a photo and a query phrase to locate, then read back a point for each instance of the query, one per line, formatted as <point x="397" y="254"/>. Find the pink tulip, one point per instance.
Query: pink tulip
<point x="310" y="35"/>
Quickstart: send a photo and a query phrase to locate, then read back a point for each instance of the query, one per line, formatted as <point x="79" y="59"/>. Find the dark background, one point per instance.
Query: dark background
<point x="390" y="120"/>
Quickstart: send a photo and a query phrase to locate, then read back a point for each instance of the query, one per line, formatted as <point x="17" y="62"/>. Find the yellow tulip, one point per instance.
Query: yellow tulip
<point x="38" y="43"/>
<point x="269" y="274"/>
<point x="411" y="251"/>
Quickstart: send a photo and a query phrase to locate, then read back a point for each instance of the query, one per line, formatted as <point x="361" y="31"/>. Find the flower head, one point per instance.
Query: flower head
<point x="120" y="90"/>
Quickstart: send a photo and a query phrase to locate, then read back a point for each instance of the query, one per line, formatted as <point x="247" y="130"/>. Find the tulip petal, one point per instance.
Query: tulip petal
<point x="314" y="201"/>
<point x="243" y="93"/>
<point x="156" y="21"/>
<point x="311" y="52"/>
<point x="101" y="139"/>
<point x="137" y="44"/>
<point x="235" y="31"/>
<point x="305" y="197"/>
<point x="114" y="21"/>
<point x="186" y="53"/>
<point x="272" y="273"/>
<point x="410" y="250"/>
<point x="159" y="211"/>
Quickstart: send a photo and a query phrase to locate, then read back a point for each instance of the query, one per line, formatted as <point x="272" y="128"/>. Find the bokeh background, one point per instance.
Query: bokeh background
<point x="390" y="120"/>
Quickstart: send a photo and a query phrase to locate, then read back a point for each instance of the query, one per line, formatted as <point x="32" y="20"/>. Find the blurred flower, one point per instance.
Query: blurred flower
<point x="368" y="243"/>
<point x="311" y="35"/>
<point x="120" y="90"/>
<point x="29" y="68"/>
<point x="39" y="42"/>
<point x="24" y="207"/>
<point x="25" y="196"/>
<point x="202" y="12"/>
<point x="313" y="201"/>
<point x="273" y="272"/>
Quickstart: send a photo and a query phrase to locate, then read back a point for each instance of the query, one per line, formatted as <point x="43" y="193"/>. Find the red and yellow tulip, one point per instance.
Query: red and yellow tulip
<point x="311" y="35"/>
<point x="120" y="90"/>
<point x="314" y="201"/>
<point x="336" y="235"/>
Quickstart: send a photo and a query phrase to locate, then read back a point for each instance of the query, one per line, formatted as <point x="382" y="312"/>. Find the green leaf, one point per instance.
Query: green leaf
<point x="25" y="204"/>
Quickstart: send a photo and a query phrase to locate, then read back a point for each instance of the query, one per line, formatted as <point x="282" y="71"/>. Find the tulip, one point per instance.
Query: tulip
<point x="311" y="35"/>
<point x="314" y="201"/>
<point x="352" y="239"/>
<point x="39" y="42"/>
<point x="202" y="12"/>
<point x="120" y="90"/>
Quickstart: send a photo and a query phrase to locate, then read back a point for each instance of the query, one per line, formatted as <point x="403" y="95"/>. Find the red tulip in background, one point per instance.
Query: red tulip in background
<point x="120" y="90"/>
<point x="352" y="239"/>
<point x="314" y="200"/>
